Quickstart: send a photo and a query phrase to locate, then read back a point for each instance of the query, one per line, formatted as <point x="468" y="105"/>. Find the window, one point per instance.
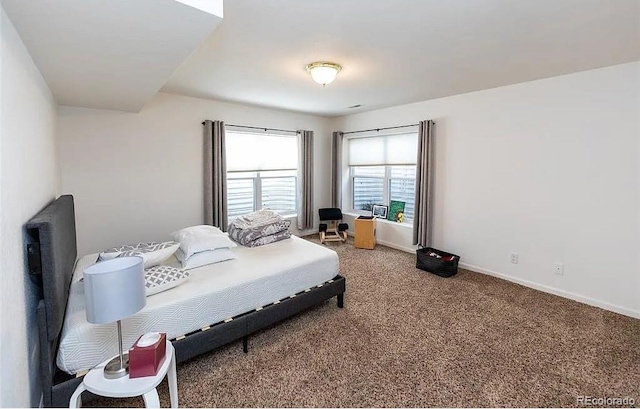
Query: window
<point x="261" y="173"/>
<point x="382" y="168"/>
<point x="402" y="187"/>
<point x="368" y="186"/>
<point x="381" y="184"/>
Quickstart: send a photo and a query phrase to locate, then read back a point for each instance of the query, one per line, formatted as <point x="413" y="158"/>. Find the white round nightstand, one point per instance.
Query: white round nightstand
<point x="125" y="387"/>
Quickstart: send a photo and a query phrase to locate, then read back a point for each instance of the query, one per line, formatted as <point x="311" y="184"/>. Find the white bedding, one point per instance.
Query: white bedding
<point x="213" y="293"/>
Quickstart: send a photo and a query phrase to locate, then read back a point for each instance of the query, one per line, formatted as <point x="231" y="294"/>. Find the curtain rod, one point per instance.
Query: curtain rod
<point x="262" y="129"/>
<point x="381" y="129"/>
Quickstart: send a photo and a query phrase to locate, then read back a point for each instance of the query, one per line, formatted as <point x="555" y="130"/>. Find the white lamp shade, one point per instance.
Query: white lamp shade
<point x="324" y="75"/>
<point x="114" y="289"/>
<point x="323" y="72"/>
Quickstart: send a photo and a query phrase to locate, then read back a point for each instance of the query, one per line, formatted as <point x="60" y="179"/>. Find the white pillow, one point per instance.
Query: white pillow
<point x="204" y="257"/>
<point x="161" y="278"/>
<point x="201" y="238"/>
<point x="152" y="253"/>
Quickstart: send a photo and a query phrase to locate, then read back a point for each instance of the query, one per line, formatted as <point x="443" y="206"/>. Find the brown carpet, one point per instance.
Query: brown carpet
<point x="409" y="338"/>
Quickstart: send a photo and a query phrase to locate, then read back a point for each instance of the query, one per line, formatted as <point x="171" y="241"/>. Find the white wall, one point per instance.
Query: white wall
<point x="138" y="177"/>
<point x="28" y="178"/>
<point x="548" y="169"/>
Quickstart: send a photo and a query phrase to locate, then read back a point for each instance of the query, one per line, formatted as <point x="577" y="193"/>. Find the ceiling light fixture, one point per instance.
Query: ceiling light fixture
<point x="323" y="72"/>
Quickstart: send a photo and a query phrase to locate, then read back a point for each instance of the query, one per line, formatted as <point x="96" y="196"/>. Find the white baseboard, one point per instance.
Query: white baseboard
<point x="308" y="232"/>
<point x="397" y="247"/>
<point x="387" y="244"/>
<point x="551" y="290"/>
<point x="544" y="288"/>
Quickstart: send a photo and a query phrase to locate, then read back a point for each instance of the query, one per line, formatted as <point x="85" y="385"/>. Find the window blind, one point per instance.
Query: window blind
<point x="400" y="149"/>
<point x="259" y="152"/>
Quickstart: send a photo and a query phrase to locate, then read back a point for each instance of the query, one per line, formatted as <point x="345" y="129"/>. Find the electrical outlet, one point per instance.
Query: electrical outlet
<point x="513" y="258"/>
<point x="558" y="268"/>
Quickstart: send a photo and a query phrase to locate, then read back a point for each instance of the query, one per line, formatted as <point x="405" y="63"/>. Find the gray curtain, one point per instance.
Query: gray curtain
<point x="305" y="180"/>
<point x="422" y="219"/>
<point x="336" y="169"/>
<point x="215" y="175"/>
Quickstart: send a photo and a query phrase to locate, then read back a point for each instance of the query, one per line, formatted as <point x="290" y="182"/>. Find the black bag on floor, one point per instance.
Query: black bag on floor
<point x="437" y="261"/>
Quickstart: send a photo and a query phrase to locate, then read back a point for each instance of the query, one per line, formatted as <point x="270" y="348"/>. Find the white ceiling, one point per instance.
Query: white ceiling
<point x="117" y="54"/>
<point x="113" y="54"/>
<point x="400" y="51"/>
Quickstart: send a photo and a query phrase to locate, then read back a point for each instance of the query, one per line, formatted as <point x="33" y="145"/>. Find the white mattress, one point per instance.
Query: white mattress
<point x="213" y="293"/>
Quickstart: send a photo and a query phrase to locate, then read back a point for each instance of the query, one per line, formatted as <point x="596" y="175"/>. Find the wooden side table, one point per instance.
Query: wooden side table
<point x="365" y="233"/>
<point x="125" y="387"/>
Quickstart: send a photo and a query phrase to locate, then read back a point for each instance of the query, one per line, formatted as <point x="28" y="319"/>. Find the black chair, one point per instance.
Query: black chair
<point x="334" y="230"/>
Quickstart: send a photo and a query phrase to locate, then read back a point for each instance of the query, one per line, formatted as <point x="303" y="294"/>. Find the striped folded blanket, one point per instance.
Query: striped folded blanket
<point x="272" y="238"/>
<point x="259" y="228"/>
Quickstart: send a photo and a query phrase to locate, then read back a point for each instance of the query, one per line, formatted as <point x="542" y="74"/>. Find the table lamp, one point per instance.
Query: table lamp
<point x="114" y="290"/>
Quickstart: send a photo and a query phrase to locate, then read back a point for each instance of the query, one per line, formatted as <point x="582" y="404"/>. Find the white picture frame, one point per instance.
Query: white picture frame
<point x="379" y="211"/>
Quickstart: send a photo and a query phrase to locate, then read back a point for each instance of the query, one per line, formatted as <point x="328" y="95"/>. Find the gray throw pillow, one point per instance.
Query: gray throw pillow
<point x="152" y="253"/>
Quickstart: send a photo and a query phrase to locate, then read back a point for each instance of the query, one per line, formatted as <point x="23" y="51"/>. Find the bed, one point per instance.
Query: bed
<point x="52" y="253"/>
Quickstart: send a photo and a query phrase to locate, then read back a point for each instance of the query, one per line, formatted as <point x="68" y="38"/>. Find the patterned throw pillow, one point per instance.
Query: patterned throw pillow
<point x="161" y="278"/>
<point x="152" y="253"/>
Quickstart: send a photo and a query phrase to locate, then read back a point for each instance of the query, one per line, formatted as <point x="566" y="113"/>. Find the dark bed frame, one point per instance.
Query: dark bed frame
<point x="52" y="253"/>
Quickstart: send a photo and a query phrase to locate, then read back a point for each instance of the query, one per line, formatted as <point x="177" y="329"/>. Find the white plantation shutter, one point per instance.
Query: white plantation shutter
<point x="368" y="186"/>
<point x="402" y="187"/>
<point x="279" y="193"/>
<point x="381" y="184"/>
<point x="239" y="197"/>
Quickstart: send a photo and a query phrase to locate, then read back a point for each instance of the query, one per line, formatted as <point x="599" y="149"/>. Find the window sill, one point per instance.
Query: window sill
<point x="355" y="213"/>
